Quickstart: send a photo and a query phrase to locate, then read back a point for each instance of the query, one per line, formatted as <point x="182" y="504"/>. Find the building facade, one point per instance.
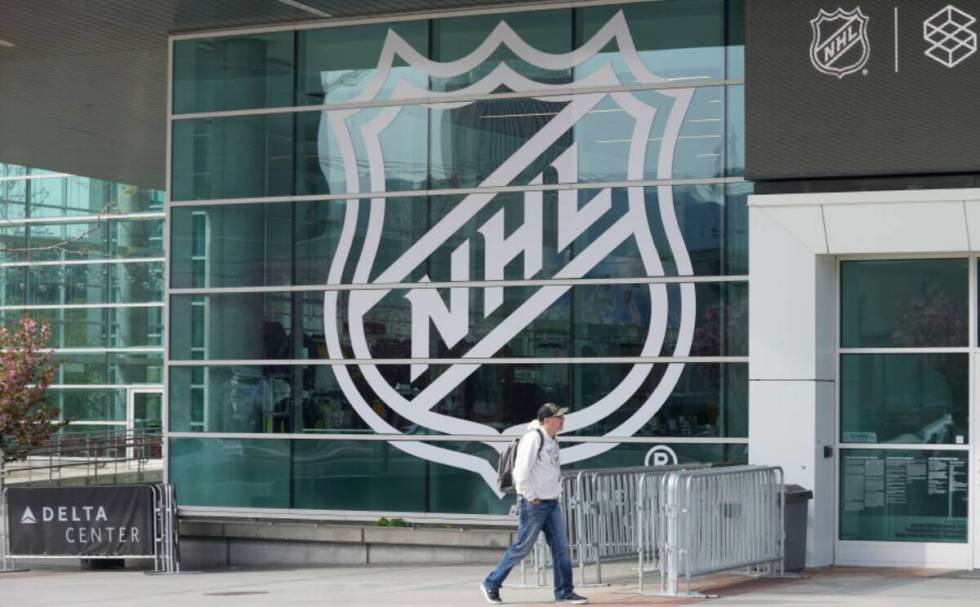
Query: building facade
<point x="393" y="239"/>
<point x="722" y="231"/>
<point x="86" y="256"/>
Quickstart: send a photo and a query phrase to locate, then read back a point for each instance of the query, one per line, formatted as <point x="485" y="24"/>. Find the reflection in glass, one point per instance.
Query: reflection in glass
<point x="676" y="39"/>
<point x="363" y="475"/>
<point x="233" y="157"/>
<point x="546" y="31"/>
<point x="357" y="475"/>
<point x="907" y="303"/>
<point x="338" y="64"/>
<point x="109" y="368"/>
<point x="905" y="398"/>
<point x="231" y="472"/>
<point x="89" y="405"/>
<point x="250" y="245"/>
<point x="708" y="401"/>
<point x="232" y="245"/>
<point x="233" y="72"/>
<point x="582" y="320"/>
<point x="495" y="142"/>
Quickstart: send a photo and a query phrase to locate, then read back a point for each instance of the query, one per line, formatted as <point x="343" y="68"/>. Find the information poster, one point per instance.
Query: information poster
<point x="916" y="496"/>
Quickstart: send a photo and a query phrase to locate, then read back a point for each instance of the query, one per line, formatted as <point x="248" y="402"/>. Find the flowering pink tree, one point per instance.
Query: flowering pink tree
<point x="26" y="371"/>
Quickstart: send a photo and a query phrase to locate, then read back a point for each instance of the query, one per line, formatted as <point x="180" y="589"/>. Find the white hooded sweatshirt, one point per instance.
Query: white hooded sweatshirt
<point x="536" y="473"/>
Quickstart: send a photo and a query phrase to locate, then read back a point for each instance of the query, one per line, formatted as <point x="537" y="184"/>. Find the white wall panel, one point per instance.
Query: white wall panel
<point x="924" y="227"/>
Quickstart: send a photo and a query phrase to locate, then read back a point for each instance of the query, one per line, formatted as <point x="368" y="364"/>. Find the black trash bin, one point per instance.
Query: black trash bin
<point x="794" y="526"/>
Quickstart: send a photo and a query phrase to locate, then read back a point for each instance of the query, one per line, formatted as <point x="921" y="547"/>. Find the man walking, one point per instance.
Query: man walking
<point x="537" y="478"/>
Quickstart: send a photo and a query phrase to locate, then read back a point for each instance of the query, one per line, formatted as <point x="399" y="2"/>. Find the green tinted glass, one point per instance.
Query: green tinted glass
<point x="735" y="137"/>
<point x="904" y="398"/>
<point x="708" y="400"/>
<point x="236" y="157"/>
<point x="340" y="64"/>
<point x="676" y="39"/>
<point x="357" y="475"/>
<point x="917" y="303"/>
<point x="363" y="475"/>
<point x="582" y="320"/>
<point x="903" y="496"/>
<point x="231" y="472"/>
<point x="233" y="72"/>
<point x="735" y="11"/>
<point x="454" y="39"/>
<point x="231" y="245"/>
<point x="89" y="405"/>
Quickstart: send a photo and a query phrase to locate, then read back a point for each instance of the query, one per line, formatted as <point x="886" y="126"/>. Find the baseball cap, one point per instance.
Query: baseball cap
<point x="551" y="410"/>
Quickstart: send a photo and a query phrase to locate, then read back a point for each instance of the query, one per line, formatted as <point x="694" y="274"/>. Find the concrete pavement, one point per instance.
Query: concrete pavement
<point x="456" y="586"/>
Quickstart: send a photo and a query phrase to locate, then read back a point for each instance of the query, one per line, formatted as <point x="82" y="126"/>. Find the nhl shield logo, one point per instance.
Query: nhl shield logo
<point x="352" y="144"/>
<point x="839" y="45"/>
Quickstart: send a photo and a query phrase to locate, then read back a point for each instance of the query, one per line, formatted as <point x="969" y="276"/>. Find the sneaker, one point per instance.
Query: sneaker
<point x="573" y="599"/>
<point x="491" y="596"/>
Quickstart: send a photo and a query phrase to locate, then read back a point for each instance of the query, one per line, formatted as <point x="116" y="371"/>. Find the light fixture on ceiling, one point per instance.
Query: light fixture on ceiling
<point x="306" y="8"/>
<point x="7" y="44"/>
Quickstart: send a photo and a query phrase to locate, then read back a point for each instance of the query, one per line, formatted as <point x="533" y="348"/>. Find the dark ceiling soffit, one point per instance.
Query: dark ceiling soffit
<point x="403" y="11"/>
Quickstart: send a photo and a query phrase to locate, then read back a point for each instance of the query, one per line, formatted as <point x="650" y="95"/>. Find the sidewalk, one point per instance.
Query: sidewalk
<point x="457" y="587"/>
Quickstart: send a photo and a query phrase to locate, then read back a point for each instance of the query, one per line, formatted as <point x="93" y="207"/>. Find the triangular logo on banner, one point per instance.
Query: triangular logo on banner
<point x="28" y="517"/>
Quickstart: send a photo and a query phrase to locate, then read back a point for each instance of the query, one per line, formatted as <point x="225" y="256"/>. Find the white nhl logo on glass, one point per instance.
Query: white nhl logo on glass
<point x="451" y="320"/>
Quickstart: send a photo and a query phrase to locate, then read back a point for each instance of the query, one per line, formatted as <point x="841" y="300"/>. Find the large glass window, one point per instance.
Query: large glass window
<point x="339" y="64"/>
<point x="488" y="142"/>
<point x="360" y="475"/>
<point x="263" y="244"/>
<point x="236" y="157"/>
<point x="231" y="73"/>
<point x="583" y="320"/>
<point x="709" y="400"/>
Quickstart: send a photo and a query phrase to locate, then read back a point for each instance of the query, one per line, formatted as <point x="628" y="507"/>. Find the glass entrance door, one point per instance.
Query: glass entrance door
<point x="904" y="370"/>
<point x="145" y="410"/>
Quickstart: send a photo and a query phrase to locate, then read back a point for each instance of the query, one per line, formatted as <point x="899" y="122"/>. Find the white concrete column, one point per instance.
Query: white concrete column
<point x="791" y="364"/>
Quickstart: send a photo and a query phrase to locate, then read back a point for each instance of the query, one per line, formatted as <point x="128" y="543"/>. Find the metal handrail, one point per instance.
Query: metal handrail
<point x="91" y="449"/>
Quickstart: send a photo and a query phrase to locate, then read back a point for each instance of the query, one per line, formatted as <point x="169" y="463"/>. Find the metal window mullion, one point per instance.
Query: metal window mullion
<point x="554" y="360"/>
<point x="82" y="262"/>
<point x="950" y="350"/>
<point x="558" y="91"/>
<point x="70" y="219"/>
<point x="436" y="438"/>
<point x="571" y="282"/>
<point x="151" y="304"/>
<point x="506" y="189"/>
<point x="904" y="447"/>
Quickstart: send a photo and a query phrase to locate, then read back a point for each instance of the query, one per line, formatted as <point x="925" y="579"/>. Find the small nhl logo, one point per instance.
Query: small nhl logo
<point x="839" y="45"/>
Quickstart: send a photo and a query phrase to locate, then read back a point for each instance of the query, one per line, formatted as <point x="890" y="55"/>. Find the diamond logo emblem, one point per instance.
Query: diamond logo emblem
<point x="949" y="35"/>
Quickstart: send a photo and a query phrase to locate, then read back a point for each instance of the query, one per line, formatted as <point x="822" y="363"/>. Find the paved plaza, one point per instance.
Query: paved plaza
<point x="456" y="586"/>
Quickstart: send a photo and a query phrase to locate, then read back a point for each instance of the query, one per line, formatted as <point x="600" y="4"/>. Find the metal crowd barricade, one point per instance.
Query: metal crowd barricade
<point x="715" y="520"/>
<point x="600" y="516"/>
<point x="166" y="558"/>
<point x="5" y="563"/>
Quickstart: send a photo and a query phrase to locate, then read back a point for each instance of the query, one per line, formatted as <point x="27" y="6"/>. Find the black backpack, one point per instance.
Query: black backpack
<point x="505" y="468"/>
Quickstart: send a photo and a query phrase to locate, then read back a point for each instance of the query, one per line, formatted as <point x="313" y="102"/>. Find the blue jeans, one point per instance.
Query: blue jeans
<point x="531" y="520"/>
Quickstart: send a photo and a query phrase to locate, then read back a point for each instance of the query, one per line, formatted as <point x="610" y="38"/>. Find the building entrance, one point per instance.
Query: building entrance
<point x="904" y="403"/>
